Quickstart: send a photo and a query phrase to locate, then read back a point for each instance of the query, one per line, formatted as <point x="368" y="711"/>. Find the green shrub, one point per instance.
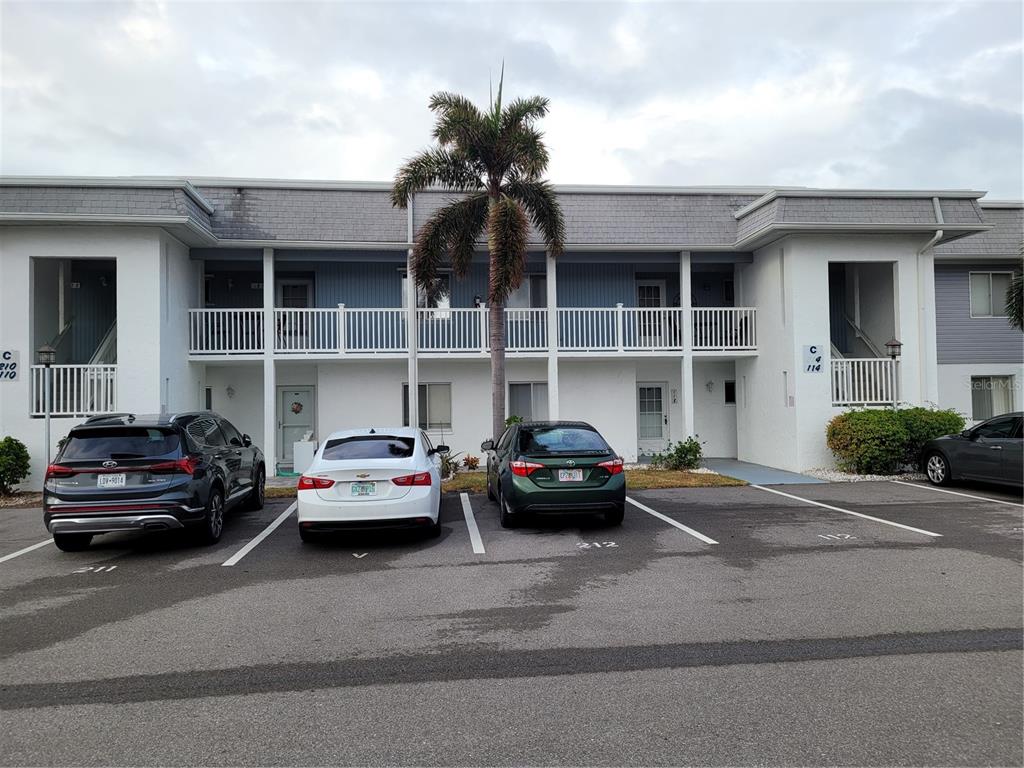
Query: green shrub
<point x="685" y="454"/>
<point x="924" y="424"/>
<point x="513" y="420"/>
<point x="14" y="464"/>
<point x="868" y="442"/>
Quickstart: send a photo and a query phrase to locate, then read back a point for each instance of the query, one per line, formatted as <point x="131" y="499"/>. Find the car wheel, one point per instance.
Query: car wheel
<point x="213" y="523"/>
<point x="307" y="536"/>
<point x="506" y="518"/>
<point x="258" y="494"/>
<point x="72" y="542"/>
<point x="615" y="516"/>
<point x="937" y="469"/>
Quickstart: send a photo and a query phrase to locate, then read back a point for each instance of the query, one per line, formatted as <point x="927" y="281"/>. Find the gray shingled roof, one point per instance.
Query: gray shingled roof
<point x="1003" y="240"/>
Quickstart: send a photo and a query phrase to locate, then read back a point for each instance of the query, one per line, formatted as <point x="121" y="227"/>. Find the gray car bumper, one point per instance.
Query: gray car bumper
<point x="93" y="524"/>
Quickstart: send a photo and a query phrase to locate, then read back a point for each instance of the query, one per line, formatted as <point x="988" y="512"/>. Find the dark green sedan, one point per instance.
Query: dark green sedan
<point x="554" y="467"/>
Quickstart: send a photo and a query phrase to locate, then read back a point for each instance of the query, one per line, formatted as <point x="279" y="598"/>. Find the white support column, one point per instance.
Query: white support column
<point x="269" y="373"/>
<point x="551" y="267"/>
<point x="686" y="305"/>
<point x="412" y="336"/>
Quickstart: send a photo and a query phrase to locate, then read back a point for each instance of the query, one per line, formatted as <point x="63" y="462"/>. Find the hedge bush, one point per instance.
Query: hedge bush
<point x="14" y="464"/>
<point x="685" y="454"/>
<point x="924" y="424"/>
<point x="885" y="441"/>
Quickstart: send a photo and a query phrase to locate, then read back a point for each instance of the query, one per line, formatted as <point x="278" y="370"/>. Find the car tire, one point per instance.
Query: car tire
<point x="307" y="536"/>
<point x="72" y="542"/>
<point x="936" y="469"/>
<point x="257" y="496"/>
<point x="213" y="522"/>
<point x="615" y="516"/>
<point x="506" y="518"/>
<point x="490" y="493"/>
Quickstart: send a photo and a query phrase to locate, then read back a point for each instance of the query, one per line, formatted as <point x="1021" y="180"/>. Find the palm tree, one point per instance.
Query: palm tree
<point x="494" y="161"/>
<point x="1015" y="298"/>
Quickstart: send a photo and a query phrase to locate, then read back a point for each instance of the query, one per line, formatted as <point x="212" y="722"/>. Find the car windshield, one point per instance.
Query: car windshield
<point x="540" y="440"/>
<point x="369" y="447"/>
<point x="121" y="443"/>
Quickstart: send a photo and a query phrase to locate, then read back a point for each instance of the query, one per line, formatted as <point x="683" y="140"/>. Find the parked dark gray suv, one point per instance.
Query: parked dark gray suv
<point x="122" y="472"/>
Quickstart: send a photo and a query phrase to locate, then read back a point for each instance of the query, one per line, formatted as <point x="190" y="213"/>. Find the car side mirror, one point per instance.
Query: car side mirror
<point x="487" y="445"/>
<point x="967" y="434"/>
<point x="442" y="449"/>
<point x="246" y="441"/>
<point x="235" y="442"/>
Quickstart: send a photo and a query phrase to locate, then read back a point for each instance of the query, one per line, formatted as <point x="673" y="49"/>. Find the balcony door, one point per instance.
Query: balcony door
<point x="293" y="328"/>
<point x="650" y="294"/>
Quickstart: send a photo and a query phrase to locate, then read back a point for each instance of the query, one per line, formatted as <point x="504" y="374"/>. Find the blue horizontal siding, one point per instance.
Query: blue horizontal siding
<point x="965" y="339"/>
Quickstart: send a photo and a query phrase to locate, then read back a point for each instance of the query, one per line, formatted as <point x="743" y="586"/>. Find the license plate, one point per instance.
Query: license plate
<point x="570" y="475"/>
<point x="364" y="489"/>
<point x="112" y="481"/>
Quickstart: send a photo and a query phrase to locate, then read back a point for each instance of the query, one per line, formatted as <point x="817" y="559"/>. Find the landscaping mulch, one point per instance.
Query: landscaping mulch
<point x="21" y="499"/>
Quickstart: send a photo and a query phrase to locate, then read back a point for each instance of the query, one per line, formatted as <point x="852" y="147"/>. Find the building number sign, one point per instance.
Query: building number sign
<point x="812" y="359"/>
<point x="8" y="365"/>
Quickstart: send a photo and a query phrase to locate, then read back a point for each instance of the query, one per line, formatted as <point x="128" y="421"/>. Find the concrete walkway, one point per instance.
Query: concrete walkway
<point x="757" y="474"/>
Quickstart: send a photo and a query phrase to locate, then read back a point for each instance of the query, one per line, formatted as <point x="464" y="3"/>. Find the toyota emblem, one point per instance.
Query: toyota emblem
<point x="109" y="464"/>
<point x="570" y="463"/>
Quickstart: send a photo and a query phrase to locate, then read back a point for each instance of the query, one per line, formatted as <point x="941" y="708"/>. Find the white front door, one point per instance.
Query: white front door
<point x="650" y="294"/>
<point x="651" y="418"/>
<point x="294" y="419"/>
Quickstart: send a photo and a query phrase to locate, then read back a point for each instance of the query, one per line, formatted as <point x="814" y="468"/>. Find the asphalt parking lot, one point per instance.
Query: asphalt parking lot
<point x="855" y="624"/>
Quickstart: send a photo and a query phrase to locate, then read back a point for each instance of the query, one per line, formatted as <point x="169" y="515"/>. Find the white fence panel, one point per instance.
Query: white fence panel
<point x="225" y="331"/>
<point x="76" y="390"/>
<point x="724" y="328"/>
<point x="863" y="381"/>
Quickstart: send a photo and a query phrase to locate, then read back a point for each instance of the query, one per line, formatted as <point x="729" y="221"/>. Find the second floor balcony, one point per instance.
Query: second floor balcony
<point x="368" y="332"/>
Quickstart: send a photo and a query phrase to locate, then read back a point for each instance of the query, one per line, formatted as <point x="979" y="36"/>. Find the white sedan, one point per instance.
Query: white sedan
<point x="363" y="479"/>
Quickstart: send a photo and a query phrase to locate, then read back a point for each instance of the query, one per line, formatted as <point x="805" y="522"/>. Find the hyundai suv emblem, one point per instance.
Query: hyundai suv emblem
<point x="109" y="464"/>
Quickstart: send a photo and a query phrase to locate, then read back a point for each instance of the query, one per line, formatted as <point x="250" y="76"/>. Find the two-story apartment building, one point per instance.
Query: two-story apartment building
<point x="746" y="316"/>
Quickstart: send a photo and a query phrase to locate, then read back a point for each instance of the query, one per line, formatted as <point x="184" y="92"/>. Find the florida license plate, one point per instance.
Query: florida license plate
<point x="364" y="489"/>
<point x="570" y="475"/>
<point x="112" y="481"/>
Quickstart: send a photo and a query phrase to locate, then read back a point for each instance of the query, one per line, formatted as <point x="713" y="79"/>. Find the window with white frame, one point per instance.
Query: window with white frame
<point x="988" y="293"/>
<point x="528" y="400"/>
<point x="435" y="405"/>
<point x="439" y="297"/>
<point x="991" y="396"/>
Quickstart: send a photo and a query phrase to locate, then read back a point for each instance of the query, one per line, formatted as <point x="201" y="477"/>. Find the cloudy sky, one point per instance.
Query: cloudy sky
<point x="876" y="94"/>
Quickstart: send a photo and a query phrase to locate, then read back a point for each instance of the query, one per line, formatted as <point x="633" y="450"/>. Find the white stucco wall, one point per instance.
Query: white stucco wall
<point x="955" y="384"/>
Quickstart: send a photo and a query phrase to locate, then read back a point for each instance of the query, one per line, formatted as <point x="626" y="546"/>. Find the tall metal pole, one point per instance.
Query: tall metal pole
<point x="47" y="397"/>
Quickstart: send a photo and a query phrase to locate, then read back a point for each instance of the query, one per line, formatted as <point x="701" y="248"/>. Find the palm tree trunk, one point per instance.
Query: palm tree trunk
<point x="497" y="339"/>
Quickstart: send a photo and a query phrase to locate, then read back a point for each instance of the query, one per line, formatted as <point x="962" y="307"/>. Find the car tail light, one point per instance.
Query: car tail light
<point x="307" y="483"/>
<point x="186" y="466"/>
<point x="614" y="466"/>
<point x="420" y="478"/>
<point x="58" y="470"/>
<point x="524" y="468"/>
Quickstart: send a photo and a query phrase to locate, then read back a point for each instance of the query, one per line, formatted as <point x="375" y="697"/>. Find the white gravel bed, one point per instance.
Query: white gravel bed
<point x="649" y="468"/>
<point x="835" y="476"/>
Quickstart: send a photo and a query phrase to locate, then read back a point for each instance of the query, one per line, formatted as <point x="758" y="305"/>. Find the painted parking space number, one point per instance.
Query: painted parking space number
<point x="597" y="545"/>
<point x="96" y="569"/>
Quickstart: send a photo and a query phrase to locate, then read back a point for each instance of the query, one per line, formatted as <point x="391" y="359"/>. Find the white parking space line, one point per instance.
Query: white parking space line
<point x="20" y="552"/>
<point x="262" y="535"/>
<point x="670" y="521"/>
<point x="957" y="493"/>
<point x="849" y="512"/>
<point x="474" y="532"/>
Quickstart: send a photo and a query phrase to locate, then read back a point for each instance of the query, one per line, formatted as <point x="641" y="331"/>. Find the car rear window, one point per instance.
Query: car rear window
<point x="369" y="447"/>
<point x="121" y="443"/>
<point x="540" y="440"/>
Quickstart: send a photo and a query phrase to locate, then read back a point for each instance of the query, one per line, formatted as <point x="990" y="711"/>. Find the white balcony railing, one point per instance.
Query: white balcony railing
<point x="225" y="331"/>
<point x="76" y="390"/>
<point x="343" y="330"/>
<point x="724" y="328"/>
<point x="863" y="381"/>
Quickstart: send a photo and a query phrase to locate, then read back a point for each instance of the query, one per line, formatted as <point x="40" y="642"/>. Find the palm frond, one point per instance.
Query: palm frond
<point x="1015" y="298"/>
<point x="442" y="166"/>
<point x="523" y="112"/>
<point x="449" y="232"/>
<point x="539" y="200"/>
<point x="507" y="234"/>
<point x="526" y="153"/>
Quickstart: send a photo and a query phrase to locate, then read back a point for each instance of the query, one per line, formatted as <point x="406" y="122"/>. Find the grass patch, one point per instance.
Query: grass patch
<point x="636" y="480"/>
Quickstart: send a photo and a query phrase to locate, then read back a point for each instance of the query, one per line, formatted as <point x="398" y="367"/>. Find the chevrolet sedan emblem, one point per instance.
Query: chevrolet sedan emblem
<point x="362" y="475"/>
